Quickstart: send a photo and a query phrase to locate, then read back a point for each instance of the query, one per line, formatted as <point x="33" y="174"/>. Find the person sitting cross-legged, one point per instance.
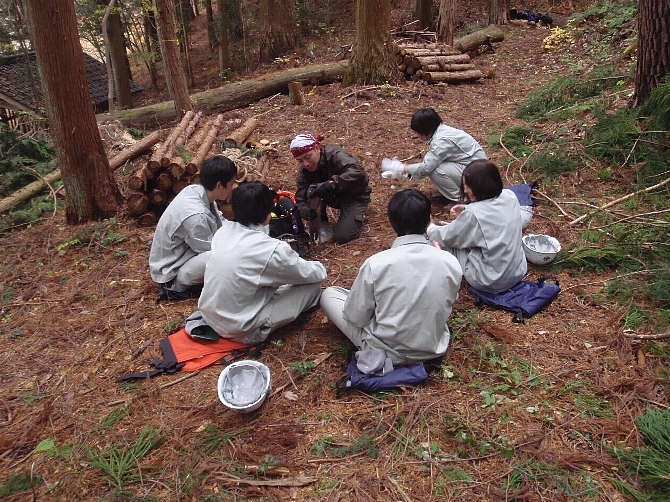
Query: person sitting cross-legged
<point x="254" y="283"/>
<point x="402" y="298"/>
<point x="183" y="236"/>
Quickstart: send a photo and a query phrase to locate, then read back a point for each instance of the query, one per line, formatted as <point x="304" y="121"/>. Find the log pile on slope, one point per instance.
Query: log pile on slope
<point x="432" y="62"/>
<point x="175" y="163"/>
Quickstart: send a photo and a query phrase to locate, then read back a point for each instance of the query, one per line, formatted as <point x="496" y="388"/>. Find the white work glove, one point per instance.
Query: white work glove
<point x="393" y="165"/>
<point x="392" y="169"/>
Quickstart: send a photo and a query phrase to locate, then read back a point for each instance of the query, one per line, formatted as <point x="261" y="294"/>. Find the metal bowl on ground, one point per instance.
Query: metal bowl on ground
<point x="244" y="385"/>
<point x="540" y="249"/>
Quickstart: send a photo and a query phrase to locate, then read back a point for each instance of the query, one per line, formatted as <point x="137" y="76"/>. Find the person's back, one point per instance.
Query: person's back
<point x="253" y="282"/>
<point x="402" y="297"/>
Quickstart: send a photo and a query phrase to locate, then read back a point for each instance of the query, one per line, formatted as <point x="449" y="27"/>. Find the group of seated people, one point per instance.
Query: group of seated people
<point x="250" y="284"/>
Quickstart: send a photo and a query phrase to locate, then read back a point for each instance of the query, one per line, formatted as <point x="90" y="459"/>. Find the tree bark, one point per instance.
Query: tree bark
<point x="452" y="76"/>
<point x="240" y="135"/>
<point x="91" y="191"/>
<point x="499" y="11"/>
<point x="653" y="49"/>
<point x="470" y="42"/>
<point x="295" y="93"/>
<point x="194" y="165"/>
<point x="232" y="96"/>
<point x="174" y="73"/>
<point x="117" y="49"/>
<point x="150" y="43"/>
<point x="277" y="28"/>
<point x="445" y="22"/>
<point x="135" y="149"/>
<point x="211" y="32"/>
<point x="424" y="13"/>
<point x="372" y="60"/>
<point x="222" y="38"/>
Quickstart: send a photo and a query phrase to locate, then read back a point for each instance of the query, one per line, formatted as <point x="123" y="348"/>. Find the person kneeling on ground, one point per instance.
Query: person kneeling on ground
<point x="486" y="234"/>
<point x="449" y="151"/>
<point x="183" y="237"/>
<point x="403" y="296"/>
<point x="255" y="284"/>
<point x="329" y="173"/>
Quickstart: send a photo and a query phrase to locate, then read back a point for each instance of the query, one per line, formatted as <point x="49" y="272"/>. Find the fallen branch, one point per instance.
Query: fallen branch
<point x="619" y="200"/>
<point x="297" y="481"/>
<point x="658" y="336"/>
<point x="29" y="190"/>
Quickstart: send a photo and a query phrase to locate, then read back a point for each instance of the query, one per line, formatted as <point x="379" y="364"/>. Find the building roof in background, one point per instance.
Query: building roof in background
<point x="16" y="89"/>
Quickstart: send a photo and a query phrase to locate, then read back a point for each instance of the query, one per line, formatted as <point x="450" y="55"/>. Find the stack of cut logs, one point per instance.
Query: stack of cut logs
<point x="435" y="63"/>
<point x="175" y="164"/>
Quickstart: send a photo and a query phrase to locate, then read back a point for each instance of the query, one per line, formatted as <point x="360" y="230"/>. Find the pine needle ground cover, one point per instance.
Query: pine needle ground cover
<point x="515" y="412"/>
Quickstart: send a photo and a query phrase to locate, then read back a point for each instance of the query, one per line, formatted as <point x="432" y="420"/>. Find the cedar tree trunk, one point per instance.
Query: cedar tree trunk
<point x="117" y="49"/>
<point x="445" y="22"/>
<point x="372" y="60"/>
<point x="499" y="11"/>
<point x="222" y="37"/>
<point x="174" y="73"/>
<point x="653" y="49"/>
<point x="424" y="13"/>
<point x="277" y="28"/>
<point x="91" y="191"/>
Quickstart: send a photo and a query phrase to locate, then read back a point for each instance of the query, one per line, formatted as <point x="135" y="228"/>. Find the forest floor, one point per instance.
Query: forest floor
<point x="518" y="411"/>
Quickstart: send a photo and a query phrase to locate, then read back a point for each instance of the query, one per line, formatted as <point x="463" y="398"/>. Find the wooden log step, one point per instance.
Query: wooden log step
<point x="452" y="76"/>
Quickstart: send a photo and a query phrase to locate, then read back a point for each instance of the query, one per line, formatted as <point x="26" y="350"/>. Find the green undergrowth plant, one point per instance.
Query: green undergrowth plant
<point x="213" y="438"/>
<point x="17" y="483"/>
<point x="649" y="462"/>
<point x="343" y="448"/>
<point x="120" y="465"/>
<point x="560" y="99"/>
<point x="558" y="484"/>
<point x="97" y="238"/>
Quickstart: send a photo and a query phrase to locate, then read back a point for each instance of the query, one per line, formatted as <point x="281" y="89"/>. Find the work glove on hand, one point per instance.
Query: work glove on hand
<point x="321" y="190"/>
<point x="393" y="168"/>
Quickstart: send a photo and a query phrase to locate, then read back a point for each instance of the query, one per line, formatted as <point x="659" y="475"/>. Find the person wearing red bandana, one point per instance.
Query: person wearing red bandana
<point x="337" y="178"/>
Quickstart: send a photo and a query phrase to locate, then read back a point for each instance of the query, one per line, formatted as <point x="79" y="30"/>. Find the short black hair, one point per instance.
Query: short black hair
<point x="215" y="169"/>
<point x="483" y="178"/>
<point x="409" y="212"/>
<point x="252" y="202"/>
<point x="425" y="121"/>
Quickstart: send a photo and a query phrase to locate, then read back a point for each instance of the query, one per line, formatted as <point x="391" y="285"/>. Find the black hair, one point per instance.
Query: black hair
<point x="409" y="212"/>
<point x="483" y="178"/>
<point x="215" y="169"/>
<point x="425" y="121"/>
<point x="252" y="202"/>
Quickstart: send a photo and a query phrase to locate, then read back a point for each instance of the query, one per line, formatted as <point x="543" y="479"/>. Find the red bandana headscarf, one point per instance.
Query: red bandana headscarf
<point x="303" y="143"/>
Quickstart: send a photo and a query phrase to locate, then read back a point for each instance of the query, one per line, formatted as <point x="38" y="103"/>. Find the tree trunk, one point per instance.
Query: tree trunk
<point x="277" y="28"/>
<point x="372" y="60"/>
<point x="89" y="185"/>
<point x="232" y="96"/>
<point x="424" y="13"/>
<point x="499" y="11"/>
<point x="150" y="45"/>
<point x="445" y="22"/>
<point x="117" y="49"/>
<point x="482" y="37"/>
<point x="211" y="31"/>
<point x="222" y="38"/>
<point x="135" y="149"/>
<point x="174" y="73"/>
<point x="653" y="48"/>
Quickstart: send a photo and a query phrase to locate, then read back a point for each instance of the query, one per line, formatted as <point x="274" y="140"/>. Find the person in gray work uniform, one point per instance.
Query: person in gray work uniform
<point x="254" y="283"/>
<point x="183" y="237"/>
<point x="449" y="151"/>
<point x="402" y="297"/>
<point x="485" y="236"/>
